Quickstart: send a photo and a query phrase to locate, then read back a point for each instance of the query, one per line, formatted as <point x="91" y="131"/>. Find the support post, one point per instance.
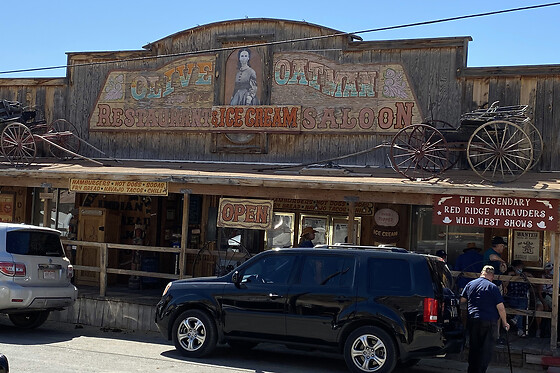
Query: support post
<point x="351" y="200"/>
<point x="184" y="232"/>
<point x="555" y="287"/>
<point x="46" y="196"/>
<point x="103" y="253"/>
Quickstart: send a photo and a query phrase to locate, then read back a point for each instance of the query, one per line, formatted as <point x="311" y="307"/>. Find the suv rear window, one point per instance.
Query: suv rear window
<point x="389" y="275"/>
<point x="34" y="243"/>
<point x="440" y="273"/>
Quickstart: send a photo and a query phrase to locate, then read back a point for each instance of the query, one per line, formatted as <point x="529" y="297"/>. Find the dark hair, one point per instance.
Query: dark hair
<point x="239" y="55"/>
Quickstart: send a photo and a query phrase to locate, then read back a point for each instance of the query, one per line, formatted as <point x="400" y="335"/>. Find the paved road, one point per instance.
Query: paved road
<point x="66" y="348"/>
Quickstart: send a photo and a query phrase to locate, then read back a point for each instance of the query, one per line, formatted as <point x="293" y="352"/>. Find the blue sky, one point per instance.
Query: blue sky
<point x="38" y="33"/>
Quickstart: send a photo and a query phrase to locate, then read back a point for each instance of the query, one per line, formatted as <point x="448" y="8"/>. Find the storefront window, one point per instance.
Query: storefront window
<point x="428" y="238"/>
<point x="331" y="229"/>
<point x="319" y="224"/>
<point x="62" y="211"/>
<point x="282" y="232"/>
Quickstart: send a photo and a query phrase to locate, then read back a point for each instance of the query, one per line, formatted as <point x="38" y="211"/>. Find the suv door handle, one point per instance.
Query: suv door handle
<point x="274" y="296"/>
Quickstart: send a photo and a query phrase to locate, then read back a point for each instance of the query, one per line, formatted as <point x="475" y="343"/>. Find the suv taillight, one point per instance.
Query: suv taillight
<point x="430" y="310"/>
<point x="12" y="269"/>
<point x="70" y="272"/>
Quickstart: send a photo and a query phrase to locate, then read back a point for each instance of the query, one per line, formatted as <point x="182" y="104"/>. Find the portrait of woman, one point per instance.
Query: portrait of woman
<point x="245" y="89"/>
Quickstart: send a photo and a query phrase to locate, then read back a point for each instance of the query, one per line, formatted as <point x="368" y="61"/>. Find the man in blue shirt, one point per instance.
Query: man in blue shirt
<point x="485" y="307"/>
<point x="493" y="257"/>
<point x="469" y="261"/>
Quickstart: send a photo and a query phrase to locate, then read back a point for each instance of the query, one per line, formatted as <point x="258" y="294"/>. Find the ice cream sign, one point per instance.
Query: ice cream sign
<point x="537" y="214"/>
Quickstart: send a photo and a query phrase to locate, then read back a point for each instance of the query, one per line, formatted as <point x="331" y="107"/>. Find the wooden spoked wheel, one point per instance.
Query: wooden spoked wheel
<point x="18" y="144"/>
<point x="419" y="152"/>
<point x="65" y="135"/>
<point x="500" y="151"/>
<point x="536" y="139"/>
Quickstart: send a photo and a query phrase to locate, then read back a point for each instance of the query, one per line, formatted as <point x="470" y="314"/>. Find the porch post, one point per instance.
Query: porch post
<point x="555" y="285"/>
<point x="46" y="205"/>
<point x="103" y="256"/>
<point x="184" y="232"/>
<point x="351" y="215"/>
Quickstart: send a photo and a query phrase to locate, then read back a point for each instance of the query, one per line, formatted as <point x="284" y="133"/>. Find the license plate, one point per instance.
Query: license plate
<point x="49" y="275"/>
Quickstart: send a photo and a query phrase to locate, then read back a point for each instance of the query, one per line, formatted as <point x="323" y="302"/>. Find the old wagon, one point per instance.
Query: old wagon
<point x="22" y="129"/>
<point x="500" y="144"/>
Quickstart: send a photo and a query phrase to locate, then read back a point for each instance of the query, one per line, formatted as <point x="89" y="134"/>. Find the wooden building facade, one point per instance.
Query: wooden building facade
<point x="277" y="113"/>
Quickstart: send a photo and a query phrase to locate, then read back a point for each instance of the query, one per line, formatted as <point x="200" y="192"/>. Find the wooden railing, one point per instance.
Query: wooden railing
<point x="103" y="269"/>
<point x="532" y="280"/>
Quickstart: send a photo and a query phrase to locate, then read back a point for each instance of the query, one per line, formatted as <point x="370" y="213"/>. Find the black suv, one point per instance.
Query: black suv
<point x="377" y="306"/>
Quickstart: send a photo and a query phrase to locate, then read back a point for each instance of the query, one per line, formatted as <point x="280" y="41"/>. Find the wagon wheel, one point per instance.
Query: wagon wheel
<point x="64" y="134"/>
<point x="500" y="151"/>
<point x="18" y="144"/>
<point x="443" y="126"/>
<point x="419" y="152"/>
<point x="536" y="139"/>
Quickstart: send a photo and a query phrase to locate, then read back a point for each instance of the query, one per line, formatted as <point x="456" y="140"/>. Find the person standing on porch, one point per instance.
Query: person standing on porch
<point x="485" y="307"/>
<point x="307" y="237"/>
<point x="493" y="257"/>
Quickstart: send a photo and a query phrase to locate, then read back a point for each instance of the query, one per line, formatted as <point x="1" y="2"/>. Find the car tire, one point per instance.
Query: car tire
<point x="194" y="334"/>
<point x="370" y="349"/>
<point x="29" y="320"/>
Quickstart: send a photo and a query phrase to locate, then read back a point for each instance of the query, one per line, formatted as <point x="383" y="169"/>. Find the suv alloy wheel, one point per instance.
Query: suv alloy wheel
<point x="370" y="349"/>
<point x="194" y="334"/>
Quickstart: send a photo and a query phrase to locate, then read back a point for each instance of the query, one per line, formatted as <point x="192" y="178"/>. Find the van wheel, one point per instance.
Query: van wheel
<point x="370" y="349"/>
<point x="194" y="334"/>
<point x="29" y="320"/>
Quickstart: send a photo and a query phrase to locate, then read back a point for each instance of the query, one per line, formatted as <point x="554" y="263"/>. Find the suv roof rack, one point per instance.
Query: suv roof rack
<point x="358" y="247"/>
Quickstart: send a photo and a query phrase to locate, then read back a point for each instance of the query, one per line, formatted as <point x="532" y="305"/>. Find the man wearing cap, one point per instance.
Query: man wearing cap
<point x="493" y="257"/>
<point x="442" y="254"/>
<point x="470" y="261"/>
<point x="485" y="307"/>
<point x="307" y="237"/>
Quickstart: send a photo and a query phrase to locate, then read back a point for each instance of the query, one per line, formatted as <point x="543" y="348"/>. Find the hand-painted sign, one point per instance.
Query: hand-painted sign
<point x="331" y="207"/>
<point x="6" y="208"/>
<point x="245" y="213"/>
<point x="256" y="118"/>
<point x="178" y="96"/>
<point x="142" y="188"/>
<point x="344" y="97"/>
<point x="331" y="97"/>
<point x="496" y="212"/>
<point x="526" y="246"/>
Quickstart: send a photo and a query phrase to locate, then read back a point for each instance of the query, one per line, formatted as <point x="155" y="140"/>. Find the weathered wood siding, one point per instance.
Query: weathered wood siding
<point x="443" y="86"/>
<point x="48" y="95"/>
<point x="536" y="86"/>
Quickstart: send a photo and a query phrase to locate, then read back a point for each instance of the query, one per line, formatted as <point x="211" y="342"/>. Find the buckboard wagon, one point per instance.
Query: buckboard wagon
<point x="501" y="144"/>
<point x="22" y="129"/>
